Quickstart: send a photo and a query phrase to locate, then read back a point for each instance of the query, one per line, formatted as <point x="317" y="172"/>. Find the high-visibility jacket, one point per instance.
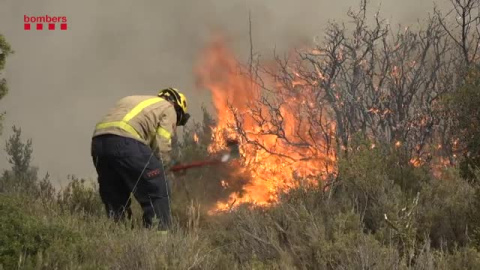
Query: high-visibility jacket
<point x="148" y="119"/>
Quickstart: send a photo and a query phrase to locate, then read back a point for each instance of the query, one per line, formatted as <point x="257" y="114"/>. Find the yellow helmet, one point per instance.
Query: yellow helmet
<point x="178" y="99"/>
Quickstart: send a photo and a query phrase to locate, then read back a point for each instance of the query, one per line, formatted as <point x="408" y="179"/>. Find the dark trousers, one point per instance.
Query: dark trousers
<point x="126" y="166"/>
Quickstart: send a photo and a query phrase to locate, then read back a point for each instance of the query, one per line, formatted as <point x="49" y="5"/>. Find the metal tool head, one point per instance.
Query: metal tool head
<point x="233" y="152"/>
<point x="234" y="147"/>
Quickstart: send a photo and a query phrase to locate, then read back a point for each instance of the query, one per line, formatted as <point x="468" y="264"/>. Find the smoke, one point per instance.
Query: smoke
<point x="62" y="82"/>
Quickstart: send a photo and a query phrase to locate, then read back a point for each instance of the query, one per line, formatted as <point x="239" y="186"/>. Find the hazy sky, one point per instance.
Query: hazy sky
<point x="62" y="82"/>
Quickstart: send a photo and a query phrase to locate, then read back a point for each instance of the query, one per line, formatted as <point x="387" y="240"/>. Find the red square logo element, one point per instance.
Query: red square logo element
<point x="63" y="26"/>
<point x="26" y="26"/>
<point x="39" y="26"/>
<point x="51" y="26"/>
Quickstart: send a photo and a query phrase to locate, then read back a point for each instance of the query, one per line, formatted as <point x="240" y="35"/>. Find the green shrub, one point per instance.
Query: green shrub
<point x="23" y="236"/>
<point x="79" y="197"/>
<point x="445" y="210"/>
<point x="462" y="107"/>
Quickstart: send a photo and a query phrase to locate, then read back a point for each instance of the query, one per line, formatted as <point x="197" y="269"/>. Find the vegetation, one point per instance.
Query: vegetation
<point x="5" y="50"/>
<point x="379" y="213"/>
<point x="463" y="104"/>
<point x="379" y="210"/>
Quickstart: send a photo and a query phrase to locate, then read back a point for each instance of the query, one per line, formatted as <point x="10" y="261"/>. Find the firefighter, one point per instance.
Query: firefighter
<point x="131" y="147"/>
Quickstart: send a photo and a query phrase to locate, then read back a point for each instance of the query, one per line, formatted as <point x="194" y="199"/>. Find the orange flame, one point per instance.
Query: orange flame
<point x="195" y="137"/>
<point x="416" y="162"/>
<point x="279" y="149"/>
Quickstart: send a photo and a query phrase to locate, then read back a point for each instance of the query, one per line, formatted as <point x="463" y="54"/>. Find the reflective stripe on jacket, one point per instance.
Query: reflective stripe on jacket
<point x="149" y="119"/>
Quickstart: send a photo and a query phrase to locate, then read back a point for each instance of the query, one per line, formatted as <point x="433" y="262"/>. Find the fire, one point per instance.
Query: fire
<point x="280" y="146"/>
<point x="438" y="166"/>
<point x="224" y="184"/>
<point x="195" y="137"/>
<point x="438" y="162"/>
<point x="416" y="162"/>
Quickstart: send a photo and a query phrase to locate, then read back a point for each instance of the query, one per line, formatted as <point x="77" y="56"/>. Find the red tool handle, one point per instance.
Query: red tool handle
<point x="181" y="167"/>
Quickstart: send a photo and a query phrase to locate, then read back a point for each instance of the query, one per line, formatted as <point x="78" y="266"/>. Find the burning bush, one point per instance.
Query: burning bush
<point x="279" y="141"/>
<point x="297" y="116"/>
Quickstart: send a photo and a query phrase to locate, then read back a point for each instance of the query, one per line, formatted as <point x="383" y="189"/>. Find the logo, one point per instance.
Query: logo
<point x="45" y="22"/>
<point x="153" y="173"/>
